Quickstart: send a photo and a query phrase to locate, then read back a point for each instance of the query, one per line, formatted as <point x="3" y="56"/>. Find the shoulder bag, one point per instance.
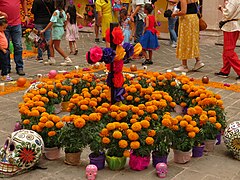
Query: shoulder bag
<point x="202" y="23"/>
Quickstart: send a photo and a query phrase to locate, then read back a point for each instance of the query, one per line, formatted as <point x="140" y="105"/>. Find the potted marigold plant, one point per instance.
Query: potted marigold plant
<point x="141" y="144"/>
<point x="72" y="138"/>
<point x="115" y="140"/>
<point x="28" y="41"/>
<point x="184" y="131"/>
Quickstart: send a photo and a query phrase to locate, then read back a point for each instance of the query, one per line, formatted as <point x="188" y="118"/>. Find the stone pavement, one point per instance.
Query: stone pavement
<point x="212" y="166"/>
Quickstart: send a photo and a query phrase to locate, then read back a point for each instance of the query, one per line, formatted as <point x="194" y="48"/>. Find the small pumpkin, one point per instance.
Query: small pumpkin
<point x="133" y="67"/>
<point x="21" y="81"/>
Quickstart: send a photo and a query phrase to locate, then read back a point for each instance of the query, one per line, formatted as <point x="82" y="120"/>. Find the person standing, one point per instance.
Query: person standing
<point x="231" y="31"/>
<point x="11" y="10"/>
<point x="188" y="35"/>
<point x="171" y="23"/>
<point x="42" y="11"/>
<point x="57" y="23"/>
<point x="137" y="16"/>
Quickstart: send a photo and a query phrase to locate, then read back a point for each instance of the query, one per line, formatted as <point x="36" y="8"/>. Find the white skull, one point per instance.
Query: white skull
<point x="161" y="170"/>
<point x="21" y="151"/>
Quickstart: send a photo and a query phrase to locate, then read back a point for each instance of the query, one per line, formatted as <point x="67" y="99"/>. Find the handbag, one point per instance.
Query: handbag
<point x="202" y="23"/>
<point x="167" y="13"/>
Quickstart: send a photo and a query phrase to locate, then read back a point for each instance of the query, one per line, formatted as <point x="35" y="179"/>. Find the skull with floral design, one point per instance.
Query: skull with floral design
<point x="21" y="151"/>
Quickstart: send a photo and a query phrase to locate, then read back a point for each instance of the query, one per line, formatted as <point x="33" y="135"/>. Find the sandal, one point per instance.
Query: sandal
<point x="97" y="40"/>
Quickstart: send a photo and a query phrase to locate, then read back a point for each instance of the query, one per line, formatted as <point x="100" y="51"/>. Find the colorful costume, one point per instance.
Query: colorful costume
<point x="126" y="30"/>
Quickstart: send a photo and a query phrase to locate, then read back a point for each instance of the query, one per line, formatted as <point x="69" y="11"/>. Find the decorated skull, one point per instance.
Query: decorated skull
<point x="232" y="138"/>
<point x="91" y="172"/>
<point x="21" y="151"/>
<point x="161" y="170"/>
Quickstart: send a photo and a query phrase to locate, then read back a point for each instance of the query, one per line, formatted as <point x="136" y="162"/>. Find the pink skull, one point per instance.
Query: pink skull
<point x="91" y="172"/>
<point x="161" y="170"/>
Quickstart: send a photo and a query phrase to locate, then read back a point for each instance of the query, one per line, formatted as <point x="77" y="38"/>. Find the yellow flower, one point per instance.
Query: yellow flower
<point x="105" y="140"/>
<point x="59" y="125"/>
<point x="49" y="124"/>
<point x="124" y="126"/>
<point x="145" y="123"/>
<point x="110" y="126"/>
<point x="104" y="132"/>
<point x="133" y="136"/>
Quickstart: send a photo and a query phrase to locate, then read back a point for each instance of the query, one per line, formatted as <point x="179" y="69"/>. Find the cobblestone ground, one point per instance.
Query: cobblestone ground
<point x="212" y="166"/>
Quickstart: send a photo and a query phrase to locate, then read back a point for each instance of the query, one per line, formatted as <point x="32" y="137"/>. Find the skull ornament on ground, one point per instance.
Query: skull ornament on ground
<point x="91" y="172"/>
<point x="161" y="170"/>
<point x="21" y="151"/>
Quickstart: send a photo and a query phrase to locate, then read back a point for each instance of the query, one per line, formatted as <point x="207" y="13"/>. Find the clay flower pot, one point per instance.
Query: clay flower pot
<point x="52" y="153"/>
<point x="181" y="157"/>
<point x="64" y="106"/>
<point x="209" y="145"/>
<point x="72" y="158"/>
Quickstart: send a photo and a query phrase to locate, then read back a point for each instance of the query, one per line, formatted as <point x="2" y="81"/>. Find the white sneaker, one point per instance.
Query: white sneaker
<point x="67" y="62"/>
<point x="198" y="65"/>
<point x="51" y="61"/>
<point x="181" y="69"/>
<point x="174" y="45"/>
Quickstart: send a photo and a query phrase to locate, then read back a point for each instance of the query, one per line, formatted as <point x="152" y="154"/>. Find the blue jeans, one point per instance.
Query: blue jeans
<point x="139" y="28"/>
<point x="171" y="28"/>
<point x="3" y="62"/>
<point x="15" y="33"/>
<point x="47" y="36"/>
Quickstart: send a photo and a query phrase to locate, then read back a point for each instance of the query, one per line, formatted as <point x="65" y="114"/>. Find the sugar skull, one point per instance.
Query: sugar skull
<point x="232" y="138"/>
<point x="91" y="172"/>
<point x="21" y="151"/>
<point x="161" y="170"/>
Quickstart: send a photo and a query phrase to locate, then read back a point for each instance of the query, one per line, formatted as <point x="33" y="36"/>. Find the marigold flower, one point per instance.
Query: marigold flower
<point x="212" y="119"/>
<point x="117" y="134"/>
<point x="103" y="110"/>
<point x="198" y="109"/>
<point x="134" y="145"/>
<point x="166" y="122"/>
<point x="126" y="153"/>
<point x="149" y="141"/>
<point x="191" y="134"/>
<point x="35" y="113"/>
<point x="129" y="98"/>
<point x="203" y="117"/>
<point x="105" y="140"/>
<point x="26" y="121"/>
<point x="104" y="132"/>
<point x="123" y="114"/>
<point x="150" y="109"/>
<point x="55" y="119"/>
<point x="59" y="125"/>
<point x="114" y="108"/>
<point x="136" y="126"/>
<point x="154" y="116"/>
<point x="211" y="113"/>
<point x="42" y="91"/>
<point x="124" y="126"/>
<point x="141" y="106"/>
<point x="41" y="125"/>
<point x="135" y="116"/>
<point x="110" y="126"/>
<point x="66" y="119"/>
<point x="145" y="123"/>
<point x="113" y="114"/>
<point x="187" y="118"/>
<point x="189" y="127"/>
<point x="84" y="107"/>
<point x="123" y="144"/>
<point x="79" y="122"/>
<point x="191" y="111"/>
<point x="218" y="125"/>
<point x="133" y="136"/>
<point x="151" y="133"/>
<point x="49" y="124"/>
<point x="196" y="129"/>
<point x="63" y="92"/>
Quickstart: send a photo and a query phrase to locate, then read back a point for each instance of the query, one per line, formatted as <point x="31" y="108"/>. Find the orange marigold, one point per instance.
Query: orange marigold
<point x="117" y="134"/>
<point x="105" y="140"/>
<point x="84" y="107"/>
<point x="26" y="121"/>
<point x="134" y="145"/>
<point x="110" y="126"/>
<point x="151" y="133"/>
<point x="126" y="153"/>
<point x="59" y="125"/>
<point x="51" y="133"/>
<point x="133" y="136"/>
<point x="49" y="124"/>
<point x="191" y="134"/>
<point x="183" y="123"/>
<point x="124" y="126"/>
<point x="136" y="126"/>
<point x="149" y="141"/>
<point x="123" y="144"/>
<point x="104" y="132"/>
<point x="145" y="123"/>
<point x="218" y="125"/>
<point x="79" y="122"/>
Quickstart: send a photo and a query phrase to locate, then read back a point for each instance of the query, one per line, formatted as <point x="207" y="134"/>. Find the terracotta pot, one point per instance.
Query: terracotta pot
<point x="115" y="163"/>
<point x="65" y="106"/>
<point x="178" y="109"/>
<point x="58" y="108"/>
<point x="52" y="153"/>
<point x="72" y="158"/>
<point x="209" y="145"/>
<point x="181" y="157"/>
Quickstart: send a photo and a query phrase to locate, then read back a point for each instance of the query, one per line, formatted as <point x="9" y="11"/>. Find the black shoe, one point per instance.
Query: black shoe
<point x="221" y="74"/>
<point x="126" y="61"/>
<point x="97" y="40"/>
<point x="147" y="61"/>
<point x="20" y="72"/>
<point x="238" y="78"/>
<point x="76" y="52"/>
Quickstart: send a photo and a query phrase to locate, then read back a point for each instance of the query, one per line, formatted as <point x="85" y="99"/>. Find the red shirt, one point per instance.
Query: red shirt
<point x="12" y="9"/>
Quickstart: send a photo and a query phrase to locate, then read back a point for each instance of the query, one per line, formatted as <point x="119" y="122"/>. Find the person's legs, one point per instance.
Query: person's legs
<point x="171" y="28"/>
<point x="139" y="28"/>
<point x="150" y="55"/>
<point x="56" y="44"/>
<point x="230" y="57"/>
<point x="7" y="34"/>
<point x="47" y="36"/>
<point x="39" y="27"/>
<point x="71" y="47"/>
<point x="16" y="34"/>
<point x="3" y="61"/>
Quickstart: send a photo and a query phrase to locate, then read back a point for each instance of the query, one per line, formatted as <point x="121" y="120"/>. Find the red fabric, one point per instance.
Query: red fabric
<point x="12" y="9"/>
<point x="230" y="58"/>
<point x="152" y="23"/>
